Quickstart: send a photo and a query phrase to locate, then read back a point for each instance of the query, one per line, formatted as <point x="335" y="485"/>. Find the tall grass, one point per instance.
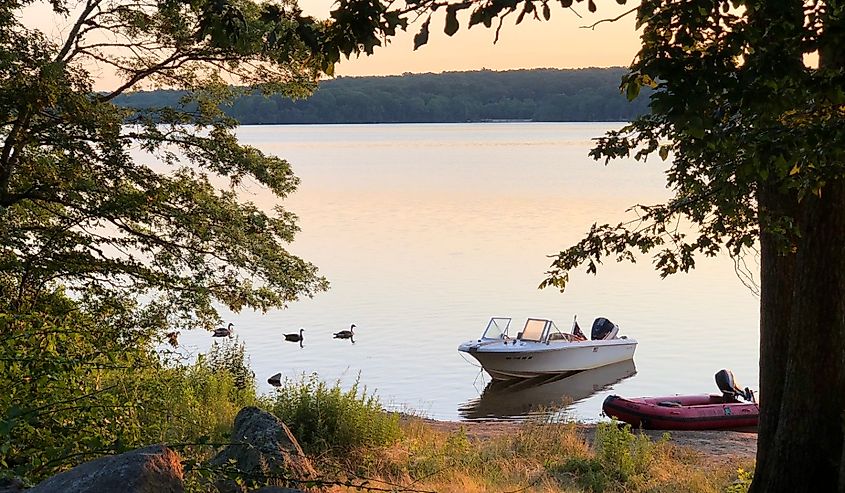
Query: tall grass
<point x="198" y="402"/>
<point x="325" y="417"/>
<point x="538" y="456"/>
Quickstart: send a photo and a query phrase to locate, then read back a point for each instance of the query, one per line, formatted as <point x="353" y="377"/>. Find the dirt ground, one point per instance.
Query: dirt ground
<point x="727" y="446"/>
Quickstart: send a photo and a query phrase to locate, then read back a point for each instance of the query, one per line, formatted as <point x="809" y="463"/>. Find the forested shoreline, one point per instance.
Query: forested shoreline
<point x="546" y="95"/>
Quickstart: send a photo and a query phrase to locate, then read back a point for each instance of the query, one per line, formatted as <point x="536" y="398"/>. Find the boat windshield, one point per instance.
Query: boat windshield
<point x="534" y="330"/>
<point x="497" y="328"/>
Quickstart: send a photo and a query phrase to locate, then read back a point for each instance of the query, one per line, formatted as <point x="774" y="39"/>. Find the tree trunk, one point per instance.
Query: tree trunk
<point x="777" y="268"/>
<point x="778" y="55"/>
<point x="805" y="453"/>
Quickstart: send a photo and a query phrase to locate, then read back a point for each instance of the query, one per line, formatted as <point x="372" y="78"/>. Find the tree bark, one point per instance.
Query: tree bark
<point x="805" y="454"/>
<point x="776" y="56"/>
<point x="777" y="269"/>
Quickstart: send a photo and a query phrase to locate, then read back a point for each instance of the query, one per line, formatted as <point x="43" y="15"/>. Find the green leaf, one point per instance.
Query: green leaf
<point x="632" y="89"/>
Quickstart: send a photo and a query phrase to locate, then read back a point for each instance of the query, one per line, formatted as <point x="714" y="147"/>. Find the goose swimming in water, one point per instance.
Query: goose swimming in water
<point x="227" y="332"/>
<point x="345" y="334"/>
<point x="294" y="337"/>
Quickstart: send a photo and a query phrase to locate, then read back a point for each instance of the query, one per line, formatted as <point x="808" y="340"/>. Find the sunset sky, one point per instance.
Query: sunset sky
<point x="561" y="42"/>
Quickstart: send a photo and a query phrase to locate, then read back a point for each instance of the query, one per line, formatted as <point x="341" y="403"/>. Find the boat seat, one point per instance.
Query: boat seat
<point x="669" y="404"/>
<point x="561" y="336"/>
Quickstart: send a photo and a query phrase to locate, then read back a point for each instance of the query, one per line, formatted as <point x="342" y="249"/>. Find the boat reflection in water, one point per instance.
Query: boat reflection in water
<point x="514" y="399"/>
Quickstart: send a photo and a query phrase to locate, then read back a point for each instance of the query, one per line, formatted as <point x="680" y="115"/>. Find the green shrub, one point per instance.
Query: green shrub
<point x="64" y="380"/>
<point x="622" y="459"/>
<point x="184" y="404"/>
<point x="230" y="357"/>
<point x="325" y="417"/>
<point x="589" y="471"/>
<point x="623" y="453"/>
<point x="76" y="384"/>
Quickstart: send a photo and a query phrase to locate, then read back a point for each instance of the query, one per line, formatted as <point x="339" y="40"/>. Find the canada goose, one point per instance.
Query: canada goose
<point x="345" y="334"/>
<point x="227" y="332"/>
<point x="294" y="337"/>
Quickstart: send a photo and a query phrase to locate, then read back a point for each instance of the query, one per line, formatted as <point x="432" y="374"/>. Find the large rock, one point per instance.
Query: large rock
<point x="154" y="469"/>
<point x="12" y="485"/>
<point x="275" y="380"/>
<point x="264" y="451"/>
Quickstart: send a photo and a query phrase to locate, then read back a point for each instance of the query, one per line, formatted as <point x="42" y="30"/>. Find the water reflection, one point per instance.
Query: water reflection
<point x="542" y="395"/>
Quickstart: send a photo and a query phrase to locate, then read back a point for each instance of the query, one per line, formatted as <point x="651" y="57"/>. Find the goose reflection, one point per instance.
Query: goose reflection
<point x="521" y="398"/>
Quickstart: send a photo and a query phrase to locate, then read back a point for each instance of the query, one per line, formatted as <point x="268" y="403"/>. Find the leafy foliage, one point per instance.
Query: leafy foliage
<point x="75" y="385"/>
<point x="111" y="234"/>
<point x="64" y="376"/>
<point x="77" y="208"/>
<point x="484" y="12"/>
<point x="733" y="112"/>
<point x="325" y="417"/>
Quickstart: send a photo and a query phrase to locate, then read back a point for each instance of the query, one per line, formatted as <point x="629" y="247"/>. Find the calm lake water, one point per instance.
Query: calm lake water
<point x="426" y="231"/>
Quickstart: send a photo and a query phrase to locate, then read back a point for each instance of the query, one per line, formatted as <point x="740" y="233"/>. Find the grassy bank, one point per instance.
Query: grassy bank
<point x="132" y="398"/>
<point x="536" y="457"/>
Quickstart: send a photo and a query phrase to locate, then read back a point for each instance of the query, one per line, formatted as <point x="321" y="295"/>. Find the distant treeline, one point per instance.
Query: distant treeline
<point x="547" y="95"/>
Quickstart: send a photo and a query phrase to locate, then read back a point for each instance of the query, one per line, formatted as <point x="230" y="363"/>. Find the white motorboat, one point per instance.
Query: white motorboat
<point x="542" y="349"/>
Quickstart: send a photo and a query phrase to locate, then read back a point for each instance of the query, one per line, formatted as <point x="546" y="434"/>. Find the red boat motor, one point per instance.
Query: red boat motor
<point x="730" y="390"/>
<point x="603" y="329"/>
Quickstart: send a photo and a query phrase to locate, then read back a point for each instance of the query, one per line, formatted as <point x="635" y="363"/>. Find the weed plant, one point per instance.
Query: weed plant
<point x="198" y="402"/>
<point x="325" y="417"/>
<point x="742" y="482"/>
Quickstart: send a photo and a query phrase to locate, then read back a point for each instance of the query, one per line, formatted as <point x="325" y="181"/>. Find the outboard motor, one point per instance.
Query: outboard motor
<point x="603" y="329"/>
<point x="730" y="390"/>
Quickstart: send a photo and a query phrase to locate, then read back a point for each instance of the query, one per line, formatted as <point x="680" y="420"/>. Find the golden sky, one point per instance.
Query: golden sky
<point x="561" y="42"/>
<point x="558" y="43"/>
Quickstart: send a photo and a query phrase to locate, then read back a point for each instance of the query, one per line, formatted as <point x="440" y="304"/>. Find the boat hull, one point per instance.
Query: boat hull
<point x="683" y="412"/>
<point x="505" y="360"/>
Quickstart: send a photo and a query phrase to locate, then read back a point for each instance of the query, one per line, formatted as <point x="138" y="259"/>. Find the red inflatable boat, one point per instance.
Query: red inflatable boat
<point x="722" y="411"/>
<point x="683" y="412"/>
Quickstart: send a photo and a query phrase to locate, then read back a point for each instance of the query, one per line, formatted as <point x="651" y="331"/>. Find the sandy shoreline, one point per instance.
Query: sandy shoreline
<point x="727" y="446"/>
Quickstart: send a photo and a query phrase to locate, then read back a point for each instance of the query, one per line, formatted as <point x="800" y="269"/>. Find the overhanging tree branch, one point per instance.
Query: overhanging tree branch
<point x="614" y="19"/>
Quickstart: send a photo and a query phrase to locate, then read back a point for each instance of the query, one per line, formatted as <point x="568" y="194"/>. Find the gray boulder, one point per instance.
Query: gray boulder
<point x="264" y="451"/>
<point x="275" y="380"/>
<point x="154" y="469"/>
<point x="11" y="485"/>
